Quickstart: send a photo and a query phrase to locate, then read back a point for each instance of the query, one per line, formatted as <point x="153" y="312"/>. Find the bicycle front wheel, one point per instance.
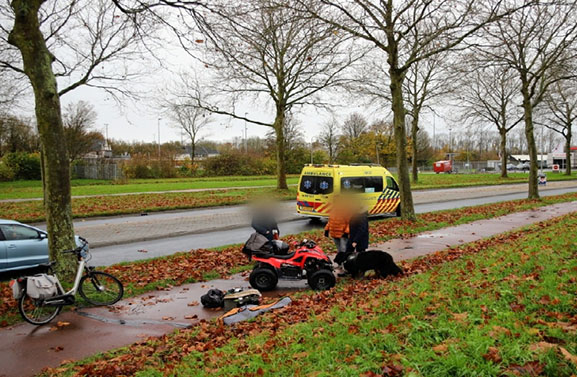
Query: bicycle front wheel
<point x="35" y="312"/>
<point x="100" y="288"/>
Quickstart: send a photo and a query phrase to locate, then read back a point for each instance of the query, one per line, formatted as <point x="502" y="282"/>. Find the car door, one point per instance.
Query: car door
<point x="2" y="252"/>
<point x="24" y="246"/>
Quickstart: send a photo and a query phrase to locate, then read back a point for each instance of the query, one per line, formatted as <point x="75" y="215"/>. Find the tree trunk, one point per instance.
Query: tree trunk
<point x="503" y="149"/>
<point x="531" y="146"/>
<point x="568" y="138"/>
<point x="192" y="149"/>
<point x="37" y="59"/>
<point x="398" y="107"/>
<point x="280" y="148"/>
<point x="414" y="146"/>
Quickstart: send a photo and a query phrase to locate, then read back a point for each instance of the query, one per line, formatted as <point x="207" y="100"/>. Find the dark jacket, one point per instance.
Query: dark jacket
<point x="264" y="224"/>
<point x="359" y="232"/>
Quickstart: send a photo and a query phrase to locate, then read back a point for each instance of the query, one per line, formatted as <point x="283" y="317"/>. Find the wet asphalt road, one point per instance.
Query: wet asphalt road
<point x="108" y="255"/>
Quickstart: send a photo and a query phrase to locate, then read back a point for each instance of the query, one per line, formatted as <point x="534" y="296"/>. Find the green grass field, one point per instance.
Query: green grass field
<point x="80" y="187"/>
<point x="505" y="306"/>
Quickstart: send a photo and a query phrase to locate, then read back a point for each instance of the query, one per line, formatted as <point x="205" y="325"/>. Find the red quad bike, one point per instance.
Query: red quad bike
<point x="308" y="261"/>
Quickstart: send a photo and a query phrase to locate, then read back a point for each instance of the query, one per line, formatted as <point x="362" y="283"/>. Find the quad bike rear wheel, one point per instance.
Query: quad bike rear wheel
<point x="263" y="279"/>
<point x="322" y="280"/>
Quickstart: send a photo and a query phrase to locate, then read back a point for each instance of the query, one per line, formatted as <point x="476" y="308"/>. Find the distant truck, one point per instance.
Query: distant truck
<point x="444" y="166"/>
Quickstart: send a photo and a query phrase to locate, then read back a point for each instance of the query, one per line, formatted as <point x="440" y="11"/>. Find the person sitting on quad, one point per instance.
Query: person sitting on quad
<point x="263" y="221"/>
<point x="338" y="227"/>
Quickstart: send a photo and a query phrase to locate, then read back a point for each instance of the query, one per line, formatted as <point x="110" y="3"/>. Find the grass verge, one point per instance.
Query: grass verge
<point x="504" y="306"/>
<point x="195" y="265"/>
<point x="33" y="189"/>
<point x="33" y="211"/>
<point x="82" y="187"/>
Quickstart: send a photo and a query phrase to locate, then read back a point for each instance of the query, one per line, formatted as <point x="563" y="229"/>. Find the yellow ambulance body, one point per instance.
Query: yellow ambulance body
<point x="374" y="185"/>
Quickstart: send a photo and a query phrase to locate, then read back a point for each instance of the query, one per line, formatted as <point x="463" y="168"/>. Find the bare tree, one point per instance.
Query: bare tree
<point x="426" y="80"/>
<point x="490" y="94"/>
<point x="354" y="126"/>
<point x="43" y="40"/>
<point x="538" y="43"/>
<point x="191" y="120"/>
<point x="274" y="54"/>
<point x="559" y="113"/>
<point x="329" y="137"/>
<point x="78" y="119"/>
<point x="407" y="33"/>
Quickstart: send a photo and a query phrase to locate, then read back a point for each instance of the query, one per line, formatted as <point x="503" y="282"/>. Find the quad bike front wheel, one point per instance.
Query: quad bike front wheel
<point x="322" y="280"/>
<point x="263" y="279"/>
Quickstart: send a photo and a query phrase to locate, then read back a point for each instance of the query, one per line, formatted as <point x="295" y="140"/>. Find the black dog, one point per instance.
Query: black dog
<point x="379" y="261"/>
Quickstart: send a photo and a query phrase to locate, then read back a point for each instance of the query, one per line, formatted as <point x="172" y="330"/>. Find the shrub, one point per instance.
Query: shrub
<point x="141" y="167"/>
<point x="234" y="163"/>
<point x="6" y="173"/>
<point x="23" y="165"/>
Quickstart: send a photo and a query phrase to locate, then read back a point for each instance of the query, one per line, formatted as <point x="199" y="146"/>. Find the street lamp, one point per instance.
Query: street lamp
<point x="158" y="124"/>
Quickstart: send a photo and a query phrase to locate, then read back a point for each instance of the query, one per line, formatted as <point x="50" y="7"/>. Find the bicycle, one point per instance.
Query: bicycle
<point x="96" y="287"/>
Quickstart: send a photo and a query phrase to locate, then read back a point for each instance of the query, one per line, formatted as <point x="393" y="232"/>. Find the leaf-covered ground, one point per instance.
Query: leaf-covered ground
<point x="206" y="264"/>
<point x="505" y="306"/>
<point x="32" y="211"/>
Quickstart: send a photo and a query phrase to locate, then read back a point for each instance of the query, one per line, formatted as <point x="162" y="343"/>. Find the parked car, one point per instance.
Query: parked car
<point x="524" y="166"/>
<point x="22" y="246"/>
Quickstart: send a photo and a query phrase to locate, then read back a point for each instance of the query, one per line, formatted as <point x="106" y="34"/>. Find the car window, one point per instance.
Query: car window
<point x="362" y="184"/>
<point x="353" y="184"/>
<point x="373" y="184"/>
<point x="18" y="232"/>
<point x="316" y="185"/>
<point x="391" y="184"/>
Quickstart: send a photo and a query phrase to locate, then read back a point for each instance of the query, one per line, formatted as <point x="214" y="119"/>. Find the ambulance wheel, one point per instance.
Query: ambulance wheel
<point x="263" y="279"/>
<point x="398" y="211"/>
<point x="322" y="280"/>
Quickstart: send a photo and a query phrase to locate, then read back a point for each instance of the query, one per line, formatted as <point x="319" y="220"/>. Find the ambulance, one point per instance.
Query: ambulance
<point x="374" y="185"/>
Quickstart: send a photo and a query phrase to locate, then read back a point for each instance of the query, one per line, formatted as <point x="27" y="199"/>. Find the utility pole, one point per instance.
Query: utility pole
<point x="245" y="135"/>
<point x="434" y="134"/>
<point x="312" y="141"/>
<point x="450" y="144"/>
<point x="542" y="146"/>
<point x="159" y="139"/>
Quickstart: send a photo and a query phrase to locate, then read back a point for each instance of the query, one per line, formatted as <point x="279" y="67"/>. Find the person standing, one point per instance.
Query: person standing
<point x="338" y="228"/>
<point x="359" y="232"/>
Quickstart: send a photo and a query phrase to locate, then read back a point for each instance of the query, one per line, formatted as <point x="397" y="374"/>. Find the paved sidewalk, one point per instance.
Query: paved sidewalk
<point x="124" y="229"/>
<point x="100" y="329"/>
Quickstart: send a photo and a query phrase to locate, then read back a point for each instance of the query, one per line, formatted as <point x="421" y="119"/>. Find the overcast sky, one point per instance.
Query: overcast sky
<point x="139" y="120"/>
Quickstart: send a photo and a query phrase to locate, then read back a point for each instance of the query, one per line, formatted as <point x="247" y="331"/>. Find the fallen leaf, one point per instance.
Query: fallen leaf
<point x="142" y="251"/>
<point x="193" y="303"/>
<point x="460" y="317"/>
<point x="541" y="346"/>
<point x="493" y="355"/>
<point x="57" y="348"/>
<point x="191" y="316"/>
<point x="532" y="369"/>
<point x="568" y="356"/>
<point x="168" y="318"/>
<point x="440" y="348"/>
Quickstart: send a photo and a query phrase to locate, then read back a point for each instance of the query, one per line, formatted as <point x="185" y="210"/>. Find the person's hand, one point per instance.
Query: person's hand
<point x="326" y="233"/>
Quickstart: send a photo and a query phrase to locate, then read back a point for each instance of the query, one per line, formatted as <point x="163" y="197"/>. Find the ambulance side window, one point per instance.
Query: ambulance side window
<point x="391" y="184"/>
<point x="352" y="184"/>
<point x="373" y="184"/>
